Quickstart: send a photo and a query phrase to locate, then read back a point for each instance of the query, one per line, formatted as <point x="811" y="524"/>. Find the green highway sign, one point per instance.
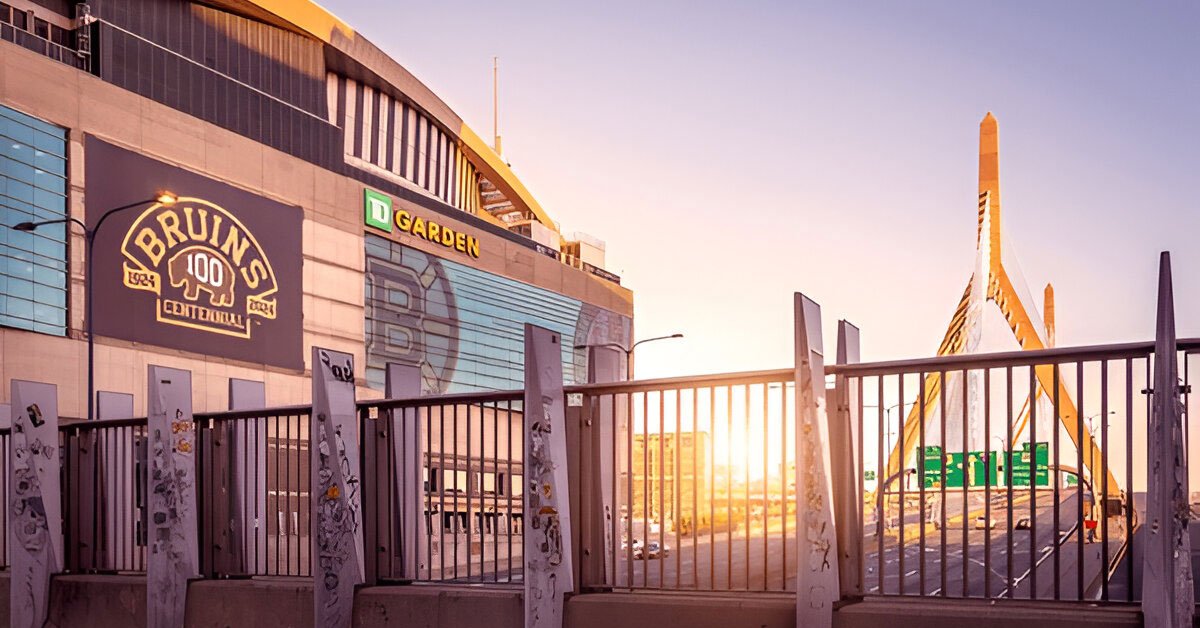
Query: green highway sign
<point x="939" y="468"/>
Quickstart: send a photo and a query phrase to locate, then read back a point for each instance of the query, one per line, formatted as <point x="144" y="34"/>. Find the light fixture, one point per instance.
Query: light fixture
<point x="25" y="226"/>
<point x="166" y="198"/>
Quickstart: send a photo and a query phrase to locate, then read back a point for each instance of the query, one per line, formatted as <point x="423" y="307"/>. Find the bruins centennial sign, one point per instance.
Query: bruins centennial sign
<point x="204" y="265"/>
<point x="217" y="273"/>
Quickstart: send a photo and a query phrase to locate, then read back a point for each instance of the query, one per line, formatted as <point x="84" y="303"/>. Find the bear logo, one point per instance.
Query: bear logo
<point x="199" y="268"/>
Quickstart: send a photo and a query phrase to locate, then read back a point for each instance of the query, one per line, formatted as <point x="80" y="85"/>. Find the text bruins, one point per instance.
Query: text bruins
<point x="436" y="233"/>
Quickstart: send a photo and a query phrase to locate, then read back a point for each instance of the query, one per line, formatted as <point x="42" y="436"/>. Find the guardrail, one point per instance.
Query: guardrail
<point x="253" y="488"/>
<point x="443" y="487"/>
<point x="694" y="489"/>
<point x="1022" y="499"/>
<point x="104" y="496"/>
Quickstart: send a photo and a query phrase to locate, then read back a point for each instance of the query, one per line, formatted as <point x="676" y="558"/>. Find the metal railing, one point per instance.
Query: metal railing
<point x="104" y="495"/>
<point x="985" y="483"/>
<point x="442" y="487"/>
<point x="694" y="485"/>
<point x="253" y="479"/>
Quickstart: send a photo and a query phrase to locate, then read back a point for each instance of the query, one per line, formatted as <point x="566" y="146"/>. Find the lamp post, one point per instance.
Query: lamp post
<point x="163" y="198"/>
<point x="629" y="351"/>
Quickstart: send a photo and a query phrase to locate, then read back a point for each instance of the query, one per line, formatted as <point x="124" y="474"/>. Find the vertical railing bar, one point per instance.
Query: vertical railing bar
<point x="920" y="471"/>
<point x="441" y="489"/>
<point x="712" y="491"/>
<point x="509" y="489"/>
<point x="468" y="488"/>
<point x="1104" y="478"/>
<point x="454" y="461"/>
<point x="746" y="481"/>
<point x="647" y="491"/>
<point x="766" y="489"/>
<point x="496" y="488"/>
<point x="676" y="489"/>
<point x="629" y="493"/>
<point x="1033" y="455"/>
<point x="1057" y="480"/>
<point x="1082" y="530"/>
<point x="1008" y="476"/>
<point x="881" y="477"/>
<point x="661" y="477"/>
<point x="785" y="502"/>
<point x="616" y="502"/>
<point x="729" y="487"/>
<point x="966" y="483"/>
<point x="280" y="524"/>
<point x="860" y="526"/>
<point x="942" y="394"/>
<point x="988" y="465"/>
<point x="695" y="525"/>
<point x="901" y="541"/>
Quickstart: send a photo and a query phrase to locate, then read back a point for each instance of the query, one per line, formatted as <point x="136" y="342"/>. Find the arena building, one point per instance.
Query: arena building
<point x="322" y="195"/>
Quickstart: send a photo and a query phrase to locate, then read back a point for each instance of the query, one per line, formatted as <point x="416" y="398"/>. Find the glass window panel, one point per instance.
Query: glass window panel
<point x="33" y="278"/>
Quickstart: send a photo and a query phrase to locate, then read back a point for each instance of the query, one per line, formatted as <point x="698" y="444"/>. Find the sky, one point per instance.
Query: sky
<point x="732" y="154"/>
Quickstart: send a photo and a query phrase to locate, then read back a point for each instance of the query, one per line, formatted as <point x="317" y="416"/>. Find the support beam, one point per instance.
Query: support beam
<point x="35" y="541"/>
<point x="336" y="523"/>
<point x="172" y="553"/>
<point x="845" y="437"/>
<point x="817" y="583"/>
<point x="547" y="543"/>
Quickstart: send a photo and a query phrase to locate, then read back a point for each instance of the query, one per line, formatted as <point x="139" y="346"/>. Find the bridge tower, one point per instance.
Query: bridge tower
<point x="992" y="285"/>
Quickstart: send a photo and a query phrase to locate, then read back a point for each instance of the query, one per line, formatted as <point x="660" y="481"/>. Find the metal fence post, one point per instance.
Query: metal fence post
<point x="336" y="533"/>
<point x="408" y="517"/>
<point x="599" y="424"/>
<point x="547" y="527"/>
<point x="248" y="452"/>
<point x="171" y="492"/>
<point x="35" y="541"/>
<point x="85" y="514"/>
<point x="817" y="583"/>
<point x="113" y="469"/>
<point x="1167" y="595"/>
<point x="845" y="438"/>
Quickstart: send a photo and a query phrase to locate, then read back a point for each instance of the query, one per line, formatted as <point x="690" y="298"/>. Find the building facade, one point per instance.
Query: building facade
<point x="671" y="482"/>
<point x="326" y="197"/>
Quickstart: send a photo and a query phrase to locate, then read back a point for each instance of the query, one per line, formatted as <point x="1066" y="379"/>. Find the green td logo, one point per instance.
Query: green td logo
<point x="377" y="210"/>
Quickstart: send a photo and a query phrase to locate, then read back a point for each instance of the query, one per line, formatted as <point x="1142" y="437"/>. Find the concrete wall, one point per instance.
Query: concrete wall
<point x="120" y="601"/>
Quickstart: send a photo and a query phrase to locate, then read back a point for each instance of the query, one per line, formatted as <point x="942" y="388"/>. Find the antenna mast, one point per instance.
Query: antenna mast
<point x="496" y="104"/>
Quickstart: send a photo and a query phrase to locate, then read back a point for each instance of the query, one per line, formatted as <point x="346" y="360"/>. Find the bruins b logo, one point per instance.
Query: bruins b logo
<point x="216" y="274"/>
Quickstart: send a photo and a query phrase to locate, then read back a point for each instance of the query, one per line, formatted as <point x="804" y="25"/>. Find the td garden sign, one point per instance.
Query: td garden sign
<point x="377" y="213"/>
<point x="218" y="272"/>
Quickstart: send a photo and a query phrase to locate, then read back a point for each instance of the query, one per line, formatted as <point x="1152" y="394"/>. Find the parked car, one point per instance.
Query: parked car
<point x="654" y="550"/>
<point x="1023" y="523"/>
<point x="637" y="548"/>
<point x="982" y="523"/>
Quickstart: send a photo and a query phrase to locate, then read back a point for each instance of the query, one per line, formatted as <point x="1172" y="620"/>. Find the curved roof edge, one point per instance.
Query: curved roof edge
<point x="309" y="18"/>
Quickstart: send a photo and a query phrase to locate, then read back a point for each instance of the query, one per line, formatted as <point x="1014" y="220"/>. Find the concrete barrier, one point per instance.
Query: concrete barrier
<point x="104" y="601"/>
<point x="97" y="601"/>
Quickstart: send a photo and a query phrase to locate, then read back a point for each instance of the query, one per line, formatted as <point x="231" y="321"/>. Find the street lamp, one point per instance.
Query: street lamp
<point x="629" y="351"/>
<point x="163" y="198"/>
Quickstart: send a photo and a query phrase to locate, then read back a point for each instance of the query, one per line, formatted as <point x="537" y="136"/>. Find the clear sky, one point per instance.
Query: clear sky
<point x="731" y="154"/>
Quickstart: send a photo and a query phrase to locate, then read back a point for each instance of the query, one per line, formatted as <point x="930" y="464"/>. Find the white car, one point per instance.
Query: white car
<point x="982" y="523"/>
